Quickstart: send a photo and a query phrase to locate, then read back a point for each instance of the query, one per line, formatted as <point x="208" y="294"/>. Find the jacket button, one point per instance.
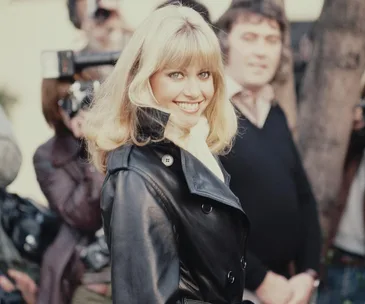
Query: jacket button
<point x="207" y="208"/>
<point x="167" y="160"/>
<point x="230" y="277"/>
<point x="243" y="263"/>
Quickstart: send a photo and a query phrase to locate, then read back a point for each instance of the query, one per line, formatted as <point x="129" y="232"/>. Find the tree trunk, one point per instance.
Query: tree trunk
<point x="284" y="85"/>
<point x="330" y="90"/>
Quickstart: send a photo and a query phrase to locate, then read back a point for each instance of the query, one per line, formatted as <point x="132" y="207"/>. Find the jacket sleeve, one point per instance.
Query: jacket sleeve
<point x="255" y="272"/>
<point x="76" y="202"/>
<point x="309" y="251"/>
<point x="310" y="241"/>
<point x="144" y="258"/>
<point x="10" y="156"/>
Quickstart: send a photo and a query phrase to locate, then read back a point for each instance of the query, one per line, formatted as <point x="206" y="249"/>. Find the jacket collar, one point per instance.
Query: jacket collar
<point x="200" y="180"/>
<point x="203" y="182"/>
<point x="152" y="123"/>
<point x="65" y="148"/>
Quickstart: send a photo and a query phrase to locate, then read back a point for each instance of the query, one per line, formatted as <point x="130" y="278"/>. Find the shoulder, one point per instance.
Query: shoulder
<point x="146" y="163"/>
<point x="132" y="157"/>
<point x="130" y="180"/>
<point x="44" y="152"/>
<point x="138" y="159"/>
<point x="126" y="157"/>
<point x="118" y="158"/>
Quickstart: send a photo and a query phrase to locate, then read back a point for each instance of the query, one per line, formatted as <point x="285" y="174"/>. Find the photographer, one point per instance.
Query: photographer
<point x="344" y="252"/>
<point x="103" y="25"/>
<point x="71" y="185"/>
<point x="72" y="188"/>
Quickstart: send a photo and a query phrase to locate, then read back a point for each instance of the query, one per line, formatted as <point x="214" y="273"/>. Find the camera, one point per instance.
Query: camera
<point x="79" y="97"/>
<point x="96" y="255"/>
<point x="65" y="64"/>
<point x="30" y="226"/>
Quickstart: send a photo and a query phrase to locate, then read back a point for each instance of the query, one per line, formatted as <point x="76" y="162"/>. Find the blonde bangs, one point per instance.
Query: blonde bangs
<point x="189" y="46"/>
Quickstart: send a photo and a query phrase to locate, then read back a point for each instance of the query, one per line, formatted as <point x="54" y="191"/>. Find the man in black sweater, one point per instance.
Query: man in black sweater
<point x="266" y="171"/>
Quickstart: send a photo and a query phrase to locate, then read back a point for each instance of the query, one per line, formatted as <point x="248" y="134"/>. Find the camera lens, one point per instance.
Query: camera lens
<point x="101" y="15"/>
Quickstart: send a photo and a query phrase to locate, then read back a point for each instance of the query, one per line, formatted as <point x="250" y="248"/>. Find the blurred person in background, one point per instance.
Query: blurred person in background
<point x="103" y="24"/>
<point x="72" y="188"/>
<point x="10" y="155"/>
<point x="10" y="162"/>
<point x="70" y="185"/>
<point x="195" y="5"/>
<point x="344" y="250"/>
<point x="266" y="171"/>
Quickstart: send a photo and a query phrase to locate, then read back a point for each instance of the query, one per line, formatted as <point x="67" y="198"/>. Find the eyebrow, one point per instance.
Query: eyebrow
<point x="172" y="69"/>
<point x="259" y="34"/>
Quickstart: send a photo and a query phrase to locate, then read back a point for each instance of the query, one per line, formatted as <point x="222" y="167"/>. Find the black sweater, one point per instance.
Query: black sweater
<point x="268" y="177"/>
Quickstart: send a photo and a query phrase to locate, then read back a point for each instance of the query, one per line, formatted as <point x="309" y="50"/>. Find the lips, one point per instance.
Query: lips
<point x="257" y="65"/>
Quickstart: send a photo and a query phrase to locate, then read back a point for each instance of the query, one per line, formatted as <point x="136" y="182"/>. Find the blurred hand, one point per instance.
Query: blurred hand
<point x="358" y="122"/>
<point x="302" y="286"/>
<point x="6" y="284"/>
<point x="275" y="289"/>
<point x="23" y="283"/>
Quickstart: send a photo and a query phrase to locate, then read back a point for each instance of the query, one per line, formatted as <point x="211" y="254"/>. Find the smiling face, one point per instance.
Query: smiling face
<point x="255" y="46"/>
<point x="185" y="92"/>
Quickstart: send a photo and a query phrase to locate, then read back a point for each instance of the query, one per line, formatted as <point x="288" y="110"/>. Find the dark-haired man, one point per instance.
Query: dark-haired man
<point x="266" y="171"/>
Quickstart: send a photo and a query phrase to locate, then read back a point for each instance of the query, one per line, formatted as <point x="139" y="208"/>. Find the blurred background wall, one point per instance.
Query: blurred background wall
<point x="29" y="26"/>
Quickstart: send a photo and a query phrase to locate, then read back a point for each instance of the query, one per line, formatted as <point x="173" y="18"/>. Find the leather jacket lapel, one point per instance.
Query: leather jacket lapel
<point x="203" y="182"/>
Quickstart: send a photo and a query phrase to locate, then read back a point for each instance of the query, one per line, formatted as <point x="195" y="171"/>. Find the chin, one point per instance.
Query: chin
<point x="189" y="121"/>
<point x="258" y="84"/>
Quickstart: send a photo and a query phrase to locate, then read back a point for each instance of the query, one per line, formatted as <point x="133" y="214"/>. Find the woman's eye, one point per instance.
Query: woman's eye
<point x="205" y="75"/>
<point x="176" y="75"/>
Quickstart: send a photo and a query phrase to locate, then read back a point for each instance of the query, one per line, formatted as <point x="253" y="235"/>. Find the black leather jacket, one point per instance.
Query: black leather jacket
<point x="176" y="232"/>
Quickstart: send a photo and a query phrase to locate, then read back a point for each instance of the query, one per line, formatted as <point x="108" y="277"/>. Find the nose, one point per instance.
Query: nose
<point x="192" y="89"/>
<point x="260" y="48"/>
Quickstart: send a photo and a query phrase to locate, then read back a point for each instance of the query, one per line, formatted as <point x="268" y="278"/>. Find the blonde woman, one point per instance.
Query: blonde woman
<point x="175" y="231"/>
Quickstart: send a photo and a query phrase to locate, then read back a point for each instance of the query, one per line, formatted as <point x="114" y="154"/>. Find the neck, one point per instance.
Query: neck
<point x="181" y="135"/>
<point x="235" y="75"/>
<point x="254" y="90"/>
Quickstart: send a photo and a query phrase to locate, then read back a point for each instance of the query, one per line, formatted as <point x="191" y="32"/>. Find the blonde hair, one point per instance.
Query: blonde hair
<point x="171" y="36"/>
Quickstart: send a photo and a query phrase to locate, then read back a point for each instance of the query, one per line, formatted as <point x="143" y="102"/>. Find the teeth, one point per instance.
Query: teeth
<point x="191" y="107"/>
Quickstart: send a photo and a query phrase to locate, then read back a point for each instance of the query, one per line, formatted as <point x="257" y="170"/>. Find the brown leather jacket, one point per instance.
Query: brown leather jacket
<point x="72" y="188"/>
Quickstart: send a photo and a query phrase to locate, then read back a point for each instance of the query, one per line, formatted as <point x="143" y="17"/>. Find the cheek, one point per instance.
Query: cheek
<point x="276" y="55"/>
<point x="239" y="53"/>
<point x="164" y="90"/>
<point x="156" y="87"/>
<point x="207" y="89"/>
